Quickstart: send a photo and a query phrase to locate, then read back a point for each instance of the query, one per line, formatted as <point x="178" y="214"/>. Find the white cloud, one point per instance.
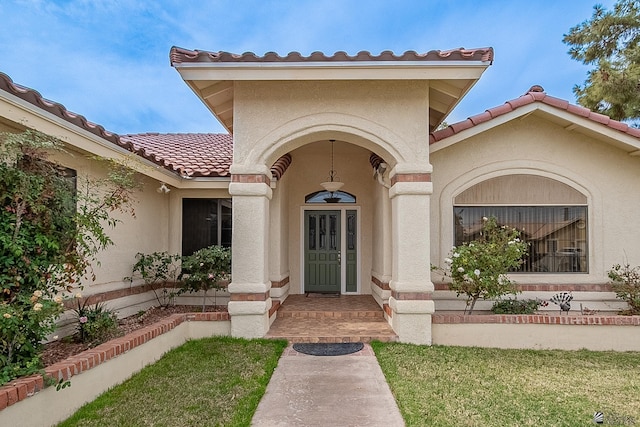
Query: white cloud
<point x="108" y="59"/>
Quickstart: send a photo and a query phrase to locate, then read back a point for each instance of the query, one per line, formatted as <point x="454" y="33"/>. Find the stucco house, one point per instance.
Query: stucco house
<point x="334" y="177"/>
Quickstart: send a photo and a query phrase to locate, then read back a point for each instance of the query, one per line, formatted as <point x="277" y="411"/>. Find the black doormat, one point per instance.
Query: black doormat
<point x="328" y="349"/>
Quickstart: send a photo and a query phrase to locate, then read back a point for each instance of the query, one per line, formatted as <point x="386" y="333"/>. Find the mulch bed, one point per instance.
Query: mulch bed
<point x="59" y="350"/>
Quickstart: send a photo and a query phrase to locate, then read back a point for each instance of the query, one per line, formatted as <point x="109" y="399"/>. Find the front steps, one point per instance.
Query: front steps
<point x="347" y="318"/>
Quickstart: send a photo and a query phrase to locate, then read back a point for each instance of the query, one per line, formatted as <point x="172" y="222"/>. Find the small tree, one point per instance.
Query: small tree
<point x="206" y="269"/>
<point x="157" y="269"/>
<point x="625" y="282"/>
<point x="50" y="233"/>
<point x="478" y="269"/>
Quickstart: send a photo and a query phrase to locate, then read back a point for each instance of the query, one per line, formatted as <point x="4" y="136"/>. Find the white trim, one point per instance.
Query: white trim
<point x="286" y="65"/>
<point x="356" y="70"/>
<point x="343" y="243"/>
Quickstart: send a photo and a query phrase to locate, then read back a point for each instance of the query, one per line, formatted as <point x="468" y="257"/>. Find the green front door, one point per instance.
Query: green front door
<point x="322" y="251"/>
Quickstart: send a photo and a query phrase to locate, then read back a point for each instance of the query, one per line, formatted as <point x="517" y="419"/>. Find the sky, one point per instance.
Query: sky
<point x="109" y="59"/>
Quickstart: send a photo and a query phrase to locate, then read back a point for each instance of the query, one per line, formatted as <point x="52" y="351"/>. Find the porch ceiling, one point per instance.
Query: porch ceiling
<point x="211" y="75"/>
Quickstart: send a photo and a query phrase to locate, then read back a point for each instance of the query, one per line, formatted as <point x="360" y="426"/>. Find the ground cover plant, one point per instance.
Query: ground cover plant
<point x="517" y="306"/>
<point x="459" y="386"/>
<point x="213" y="381"/>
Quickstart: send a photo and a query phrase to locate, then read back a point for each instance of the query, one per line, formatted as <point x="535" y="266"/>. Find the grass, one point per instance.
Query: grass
<point x="220" y="381"/>
<point x="208" y="382"/>
<point x="457" y="386"/>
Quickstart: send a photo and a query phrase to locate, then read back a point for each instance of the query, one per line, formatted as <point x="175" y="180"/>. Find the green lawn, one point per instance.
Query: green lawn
<point x="219" y="381"/>
<point x="457" y="386"/>
<point x="207" y="382"/>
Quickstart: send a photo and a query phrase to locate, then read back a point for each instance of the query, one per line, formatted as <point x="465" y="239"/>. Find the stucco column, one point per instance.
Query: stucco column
<point x="250" y="301"/>
<point x="411" y="300"/>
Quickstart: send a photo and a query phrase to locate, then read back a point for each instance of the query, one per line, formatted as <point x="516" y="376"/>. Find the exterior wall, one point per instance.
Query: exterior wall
<point x="279" y="247"/>
<point x="273" y="118"/>
<point x="381" y="258"/>
<point x="537" y="336"/>
<point x="7" y="126"/>
<point x="310" y="167"/>
<point x="145" y="232"/>
<point x="534" y="145"/>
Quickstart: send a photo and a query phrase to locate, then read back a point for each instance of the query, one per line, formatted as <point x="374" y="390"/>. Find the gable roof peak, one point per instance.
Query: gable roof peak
<point x="535" y="94"/>
<point x="535" y="88"/>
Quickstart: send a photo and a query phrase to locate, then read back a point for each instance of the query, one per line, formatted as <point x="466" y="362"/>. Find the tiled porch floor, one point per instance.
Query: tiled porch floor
<point x="347" y="318"/>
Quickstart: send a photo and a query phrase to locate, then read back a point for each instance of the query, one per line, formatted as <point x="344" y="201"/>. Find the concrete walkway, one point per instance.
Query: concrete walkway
<point x="328" y="391"/>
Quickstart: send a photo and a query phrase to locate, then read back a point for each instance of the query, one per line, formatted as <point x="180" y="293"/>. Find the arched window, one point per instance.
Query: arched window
<point x="549" y="214"/>
<point x="327" y="197"/>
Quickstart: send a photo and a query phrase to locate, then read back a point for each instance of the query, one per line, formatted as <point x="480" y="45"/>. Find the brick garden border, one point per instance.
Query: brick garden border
<point x="22" y="388"/>
<point x="536" y="319"/>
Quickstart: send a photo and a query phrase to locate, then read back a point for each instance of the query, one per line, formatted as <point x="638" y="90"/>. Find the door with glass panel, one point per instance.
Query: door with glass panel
<point x="322" y="255"/>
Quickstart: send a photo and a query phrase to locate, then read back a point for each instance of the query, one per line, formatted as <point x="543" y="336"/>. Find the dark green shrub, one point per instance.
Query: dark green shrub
<point x="516" y="306"/>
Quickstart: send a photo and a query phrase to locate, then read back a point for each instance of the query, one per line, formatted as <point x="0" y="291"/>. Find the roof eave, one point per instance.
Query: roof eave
<point x="573" y="122"/>
<point x="84" y="140"/>
<point x="362" y="70"/>
<point x="227" y="73"/>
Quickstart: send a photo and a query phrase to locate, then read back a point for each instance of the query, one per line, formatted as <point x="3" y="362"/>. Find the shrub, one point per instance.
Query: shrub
<point x="24" y="325"/>
<point x="625" y="282"/>
<point x="516" y="306"/>
<point x="96" y="323"/>
<point x="478" y="269"/>
<point x="205" y="269"/>
<point x="157" y="269"/>
<point x="50" y="234"/>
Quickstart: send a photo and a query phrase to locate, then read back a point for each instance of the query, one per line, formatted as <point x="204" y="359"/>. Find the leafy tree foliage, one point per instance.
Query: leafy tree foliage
<point x="50" y="233"/>
<point x="610" y="41"/>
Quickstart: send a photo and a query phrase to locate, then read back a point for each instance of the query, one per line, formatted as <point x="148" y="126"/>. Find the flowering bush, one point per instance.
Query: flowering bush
<point x="206" y="269"/>
<point x="24" y="324"/>
<point x="478" y="269"/>
<point x="51" y="230"/>
<point x="156" y="270"/>
<point x="625" y="282"/>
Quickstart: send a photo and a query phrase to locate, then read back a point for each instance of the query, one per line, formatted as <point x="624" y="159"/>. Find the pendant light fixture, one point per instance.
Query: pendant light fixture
<point x="333" y="184"/>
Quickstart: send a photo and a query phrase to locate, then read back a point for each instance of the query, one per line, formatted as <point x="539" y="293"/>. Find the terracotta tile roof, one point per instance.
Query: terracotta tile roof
<point x="179" y="55"/>
<point x="33" y="97"/>
<point x="190" y="154"/>
<point x="194" y="154"/>
<point x="280" y="166"/>
<point x="535" y="94"/>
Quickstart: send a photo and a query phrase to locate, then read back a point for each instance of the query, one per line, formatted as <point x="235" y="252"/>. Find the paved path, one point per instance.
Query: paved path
<point x="328" y="391"/>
